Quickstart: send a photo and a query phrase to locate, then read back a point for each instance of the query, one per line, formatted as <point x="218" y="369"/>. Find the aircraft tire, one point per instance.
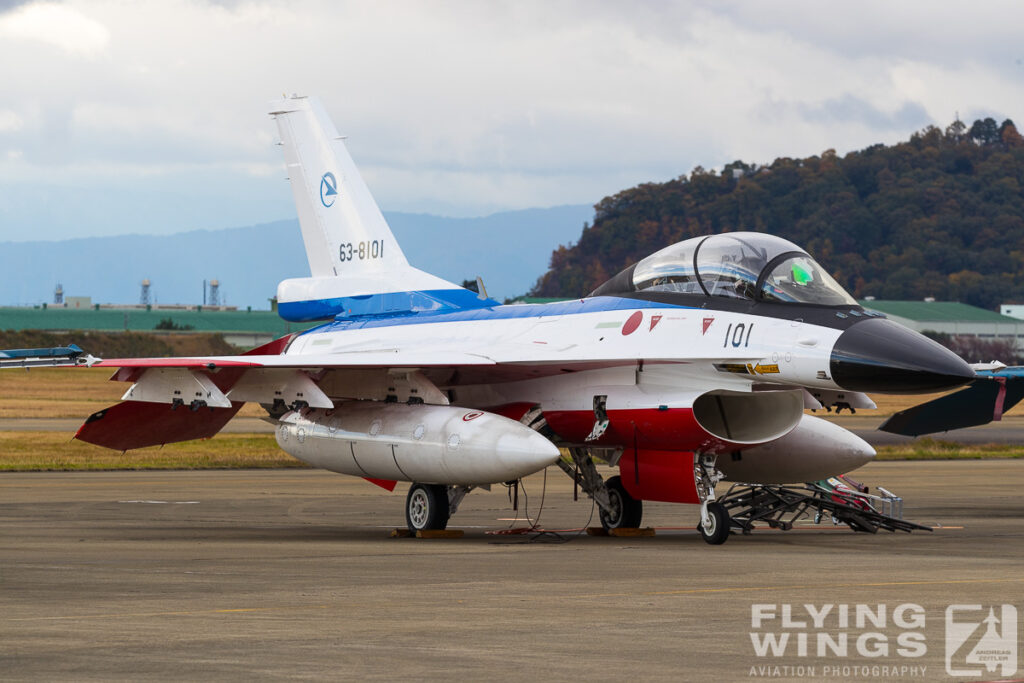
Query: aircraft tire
<point x="426" y="507"/>
<point x="627" y="510"/>
<point x="717" y="532"/>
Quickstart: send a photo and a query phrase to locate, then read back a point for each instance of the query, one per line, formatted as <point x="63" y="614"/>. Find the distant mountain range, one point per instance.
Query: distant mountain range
<point x="509" y="250"/>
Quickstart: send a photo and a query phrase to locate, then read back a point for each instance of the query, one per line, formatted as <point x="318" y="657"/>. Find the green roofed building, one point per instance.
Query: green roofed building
<point x="241" y="328"/>
<point x="953" y="318"/>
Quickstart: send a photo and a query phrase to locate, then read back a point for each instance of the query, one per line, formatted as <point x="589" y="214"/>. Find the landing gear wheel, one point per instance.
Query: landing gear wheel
<point x="716" y="530"/>
<point x="426" y="507"/>
<point x="626" y="511"/>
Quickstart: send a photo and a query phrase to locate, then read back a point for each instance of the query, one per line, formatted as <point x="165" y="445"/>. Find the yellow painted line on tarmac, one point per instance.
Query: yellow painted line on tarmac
<point x="191" y="613"/>
<point x="742" y="589"/>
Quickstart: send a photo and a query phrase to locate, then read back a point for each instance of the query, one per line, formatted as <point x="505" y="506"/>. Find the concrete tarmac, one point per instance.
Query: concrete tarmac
<point x="259" y="575"/>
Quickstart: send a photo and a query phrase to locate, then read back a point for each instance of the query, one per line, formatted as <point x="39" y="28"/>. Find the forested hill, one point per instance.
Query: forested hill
<point x="941" y="215"/>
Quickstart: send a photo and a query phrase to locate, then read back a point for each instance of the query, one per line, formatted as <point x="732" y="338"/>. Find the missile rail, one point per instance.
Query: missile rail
<point x="53" y="357"/>
<point x="780" y="507"/>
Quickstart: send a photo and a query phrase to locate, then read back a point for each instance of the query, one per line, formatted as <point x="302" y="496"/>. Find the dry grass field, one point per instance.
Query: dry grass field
<point x="57" y="392"/>
<point x="66" y="392"/>
<point x="42" y="451"/>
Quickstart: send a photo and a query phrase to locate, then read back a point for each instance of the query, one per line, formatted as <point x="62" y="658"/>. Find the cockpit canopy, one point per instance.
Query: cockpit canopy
<point x="740" y="265"/>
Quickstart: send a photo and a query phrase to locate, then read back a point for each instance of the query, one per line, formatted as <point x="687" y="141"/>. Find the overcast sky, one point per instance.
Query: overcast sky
<point x="120" y="116"/>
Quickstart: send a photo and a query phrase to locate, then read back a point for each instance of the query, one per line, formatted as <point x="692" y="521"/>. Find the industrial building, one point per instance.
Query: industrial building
<point x="952" y="318"/>
<point x="244" y="329"/>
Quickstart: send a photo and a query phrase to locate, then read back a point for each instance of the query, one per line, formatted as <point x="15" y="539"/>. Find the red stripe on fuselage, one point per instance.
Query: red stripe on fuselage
<point x="513" y="411"/>
<point x="671" y="429"/>
<point x="666" y="476"/>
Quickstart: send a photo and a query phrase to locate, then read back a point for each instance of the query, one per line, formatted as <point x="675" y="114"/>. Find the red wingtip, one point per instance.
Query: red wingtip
<point x="134" y="424"/>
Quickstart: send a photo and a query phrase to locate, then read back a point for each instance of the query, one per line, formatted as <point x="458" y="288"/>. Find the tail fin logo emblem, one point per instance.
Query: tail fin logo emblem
<point x="328" y="189"/>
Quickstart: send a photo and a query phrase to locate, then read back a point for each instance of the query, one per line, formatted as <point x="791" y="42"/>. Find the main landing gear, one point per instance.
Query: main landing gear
<point x="428" y="507"/>
<point x="623" y="511"/>
<point x="619" y="510"/>
<point x="616" y="508"/>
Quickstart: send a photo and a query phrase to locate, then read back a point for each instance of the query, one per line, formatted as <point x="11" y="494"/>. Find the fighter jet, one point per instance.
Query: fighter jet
<point x="690" y="367"/>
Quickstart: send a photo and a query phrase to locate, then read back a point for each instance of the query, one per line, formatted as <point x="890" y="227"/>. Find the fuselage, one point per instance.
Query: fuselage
<point x="647" y="359"/>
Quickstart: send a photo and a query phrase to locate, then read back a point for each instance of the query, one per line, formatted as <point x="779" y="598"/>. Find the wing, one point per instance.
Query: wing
<point x="179" y="399"/>
<point x="362" y="359"/>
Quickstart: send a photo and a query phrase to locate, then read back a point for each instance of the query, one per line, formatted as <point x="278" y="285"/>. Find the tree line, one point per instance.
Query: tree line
<point x="940" y="215"/>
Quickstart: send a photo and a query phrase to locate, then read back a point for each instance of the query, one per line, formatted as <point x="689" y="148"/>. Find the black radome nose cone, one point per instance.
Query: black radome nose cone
<point x="878" y="355"/>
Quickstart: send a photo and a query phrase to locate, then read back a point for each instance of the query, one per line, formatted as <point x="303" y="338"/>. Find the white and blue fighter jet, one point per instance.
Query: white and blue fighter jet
<point x="692" y="366"/>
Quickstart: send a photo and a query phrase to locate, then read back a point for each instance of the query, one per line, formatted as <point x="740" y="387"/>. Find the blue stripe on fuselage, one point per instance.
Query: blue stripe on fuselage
<point x="383" y="305"/>
<point x="575" y="307"/>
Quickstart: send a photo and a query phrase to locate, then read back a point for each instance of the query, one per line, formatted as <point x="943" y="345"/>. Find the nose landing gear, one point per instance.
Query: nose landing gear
<point x="714" y="523"/>
<point x="714" y="518"/>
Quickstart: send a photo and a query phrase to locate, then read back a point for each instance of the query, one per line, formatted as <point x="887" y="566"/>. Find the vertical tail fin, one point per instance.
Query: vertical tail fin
<point x="357" y="267"/>
<point x="337" y="213"/>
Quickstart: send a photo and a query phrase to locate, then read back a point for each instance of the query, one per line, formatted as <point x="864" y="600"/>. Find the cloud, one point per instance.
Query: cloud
<point x="8" y="5"/>
<point x="849" y="108"/>
<point x="470" y="107"/>
<point x="9" y="121"/>
<point x="54" y="24"/>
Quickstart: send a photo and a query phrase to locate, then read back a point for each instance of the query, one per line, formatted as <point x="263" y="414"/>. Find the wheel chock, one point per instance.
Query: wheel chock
<point x="631" y="533"/>
<point x="620" y="533"/>
<point x="440" y="533"/>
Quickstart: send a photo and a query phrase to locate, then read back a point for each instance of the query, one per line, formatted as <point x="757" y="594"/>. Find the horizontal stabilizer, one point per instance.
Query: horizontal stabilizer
<point x="982" y="402"/>
<point x="135" y="424"/>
